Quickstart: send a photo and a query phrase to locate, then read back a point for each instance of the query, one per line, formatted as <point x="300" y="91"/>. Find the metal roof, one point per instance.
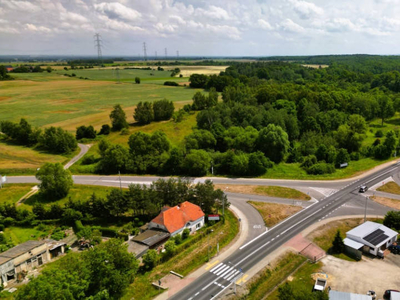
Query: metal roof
<point x="151" y="237"/>
<point x="372" y="233"/>
<point x="394" y="296"/>
<point x="19" y="250"/>
<point x="336" y="295"/>
<point x="352" y="244"/>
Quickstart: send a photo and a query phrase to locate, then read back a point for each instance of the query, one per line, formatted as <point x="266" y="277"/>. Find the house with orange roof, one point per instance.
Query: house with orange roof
<point x="175" y="219"/>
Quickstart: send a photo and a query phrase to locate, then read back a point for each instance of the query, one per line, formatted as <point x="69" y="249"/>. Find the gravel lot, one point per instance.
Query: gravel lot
<point x="367" y="274"/>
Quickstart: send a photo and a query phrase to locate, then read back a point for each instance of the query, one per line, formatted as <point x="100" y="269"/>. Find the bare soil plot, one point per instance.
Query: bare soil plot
<point x="393" y="203"/>
<point x="273" y="213"/>
<point x="316" y="66"/>
<point x="367" y="274"/>
<point x="390" y="187"/>
<point x="272" y="191"/>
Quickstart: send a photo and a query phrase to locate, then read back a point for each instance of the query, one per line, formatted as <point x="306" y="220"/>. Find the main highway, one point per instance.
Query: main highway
<point x="220" y="277"/>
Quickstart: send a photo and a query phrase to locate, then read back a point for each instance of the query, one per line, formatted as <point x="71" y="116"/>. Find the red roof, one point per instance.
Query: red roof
<point x="175" y="218"/>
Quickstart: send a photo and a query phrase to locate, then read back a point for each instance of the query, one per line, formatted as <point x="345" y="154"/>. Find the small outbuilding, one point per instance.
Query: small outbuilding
<point x="336" y="295"/>
<point x="370" y="237"/>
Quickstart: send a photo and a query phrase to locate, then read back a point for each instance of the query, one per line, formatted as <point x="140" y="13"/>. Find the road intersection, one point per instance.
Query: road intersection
<point x="330" y="198"/>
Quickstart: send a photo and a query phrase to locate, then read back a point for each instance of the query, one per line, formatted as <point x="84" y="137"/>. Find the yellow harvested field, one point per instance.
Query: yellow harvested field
<point x="393" y="203"/>
<point x="19" y="157"/>
<point x="186" y="71"/>
<point x="271" y="191"/>
<point x="273" y="213"/>
<point x="316" y="66"/>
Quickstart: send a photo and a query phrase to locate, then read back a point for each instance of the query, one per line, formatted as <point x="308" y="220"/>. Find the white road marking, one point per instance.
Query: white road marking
<point x="216" y="267"/>
<point x="287" y="219"/>
<point x="221" y="270"/>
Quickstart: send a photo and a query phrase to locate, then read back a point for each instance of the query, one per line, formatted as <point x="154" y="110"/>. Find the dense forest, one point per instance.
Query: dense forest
<point x="272" y="112"/>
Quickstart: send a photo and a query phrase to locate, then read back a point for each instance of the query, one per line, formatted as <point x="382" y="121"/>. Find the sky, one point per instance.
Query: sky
<point x="200" y="27"/>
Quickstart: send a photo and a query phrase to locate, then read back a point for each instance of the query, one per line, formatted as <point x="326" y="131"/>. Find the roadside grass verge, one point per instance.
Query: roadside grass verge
<point x="393" y="203"/>
<point x="11" y="193"/>
<point x="301" y="280"/>
<point x="390" y="187"/>
<point x="270" y="277"/>
<point x="294" y="171"/>
<point x="271" y="191"/>
<point x="324" y="235"/>
<point x="273" y="213"/>
<point x="187" y="259"/>
<point x="77" y="192"/>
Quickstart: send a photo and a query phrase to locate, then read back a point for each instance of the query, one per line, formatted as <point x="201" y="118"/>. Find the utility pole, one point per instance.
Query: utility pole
<point x="177" y="54"/>
<point x="144" y="51"/>
<point x="166" y="53"/>
<point x="98" y="45"/>
<point x="117" y="73"/>
<point x="155" y="55"/>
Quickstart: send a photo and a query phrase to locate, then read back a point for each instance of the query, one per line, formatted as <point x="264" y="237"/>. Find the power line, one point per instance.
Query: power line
<point x="144" y="51"/>
<point x="98" y="45"/>
<point x="166" y="53"/>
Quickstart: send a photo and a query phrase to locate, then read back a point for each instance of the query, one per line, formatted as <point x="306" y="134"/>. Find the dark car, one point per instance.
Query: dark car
<point x="363" y="189"/>
<point x="387" y="293"/>
<point x="395" y="249"/>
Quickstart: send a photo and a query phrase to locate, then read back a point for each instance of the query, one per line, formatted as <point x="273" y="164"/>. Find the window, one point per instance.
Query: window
<point x="198" y="225"/>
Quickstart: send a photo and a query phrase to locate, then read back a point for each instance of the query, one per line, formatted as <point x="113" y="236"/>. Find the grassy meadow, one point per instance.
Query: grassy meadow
<point x="11" y="193"/>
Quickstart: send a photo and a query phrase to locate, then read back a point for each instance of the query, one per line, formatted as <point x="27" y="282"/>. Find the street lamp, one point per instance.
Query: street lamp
<point x="235" y="277"/>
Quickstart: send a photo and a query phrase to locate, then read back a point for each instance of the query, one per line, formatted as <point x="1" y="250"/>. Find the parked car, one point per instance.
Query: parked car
<point x="394" y="248"/>
<point x="363" y="189"/>
<point x="387" y="293"/>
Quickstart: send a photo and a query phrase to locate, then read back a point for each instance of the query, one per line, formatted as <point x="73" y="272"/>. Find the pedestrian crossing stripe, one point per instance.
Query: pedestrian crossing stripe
<point x="210" y="265"/>
<point x="226" y="272"/>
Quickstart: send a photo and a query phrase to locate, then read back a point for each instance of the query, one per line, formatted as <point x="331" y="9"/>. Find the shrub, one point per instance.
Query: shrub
<point x="89" y="159"/>
<point x="355" y="156"/>
<point x="137" y="80"/>
<point x="171" y="83"/>
<point x="178" y="239"/>
<point x="105" y="129"/>
<point x="185" y="233"/>
<point x="125" y="131"/>
<point x="321" y="168"/>
<point x="379" y="133"/>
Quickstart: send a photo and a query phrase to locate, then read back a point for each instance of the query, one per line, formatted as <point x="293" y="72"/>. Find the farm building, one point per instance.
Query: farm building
<point x="336" y="295"/>
<point x="370" y="237"/>
<point x="25" y="257"/>
<point x="148" y="239"/>
<point x="175" y="219"/>
<point x="9" y="68"/>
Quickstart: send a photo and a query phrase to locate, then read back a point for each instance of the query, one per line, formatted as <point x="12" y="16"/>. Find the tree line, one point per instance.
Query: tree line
<point x="52" y="139"/>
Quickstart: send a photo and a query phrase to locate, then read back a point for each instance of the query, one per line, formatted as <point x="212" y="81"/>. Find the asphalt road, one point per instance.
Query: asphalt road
<point x="217" y="279"/>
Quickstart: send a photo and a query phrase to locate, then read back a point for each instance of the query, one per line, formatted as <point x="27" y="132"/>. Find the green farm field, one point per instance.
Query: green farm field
<point x="46" y="99"/>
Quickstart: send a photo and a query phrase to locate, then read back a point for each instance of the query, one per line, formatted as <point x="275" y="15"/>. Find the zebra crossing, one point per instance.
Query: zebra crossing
<point x="225" y="271"/>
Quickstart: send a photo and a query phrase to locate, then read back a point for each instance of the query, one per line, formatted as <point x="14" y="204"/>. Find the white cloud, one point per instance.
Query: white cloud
<point x="164" y="28"/>
<point x="71" y="16"/>
<point x="213" y="12"/>
<point x="224" y="31"/>
<point x="290" y="26"/>
<point x="115" y="10"/>
<point x="118" y="25"/>
<point x="264" y="24"/>
<point x="19" y="5"/>
<point x="32" y="27"/>
<point x="306" y="9"/>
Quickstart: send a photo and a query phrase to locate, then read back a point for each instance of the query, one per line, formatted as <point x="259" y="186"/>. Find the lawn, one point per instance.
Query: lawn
<point x="271" y="191"/>
<point x="324" y="235"/>
<point x="77" y="192"/>
<point x="390" y="187"/>
<point x="273" y="213"/>
<point x="302" y="279"/>
<point x="22" y="234"/>
<point x="267" y="279"/>
<point x="15" y="159"/>
<point x="187" y="260"/>
<point x="11" y="193"/>
<point x="51" y="100"/>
